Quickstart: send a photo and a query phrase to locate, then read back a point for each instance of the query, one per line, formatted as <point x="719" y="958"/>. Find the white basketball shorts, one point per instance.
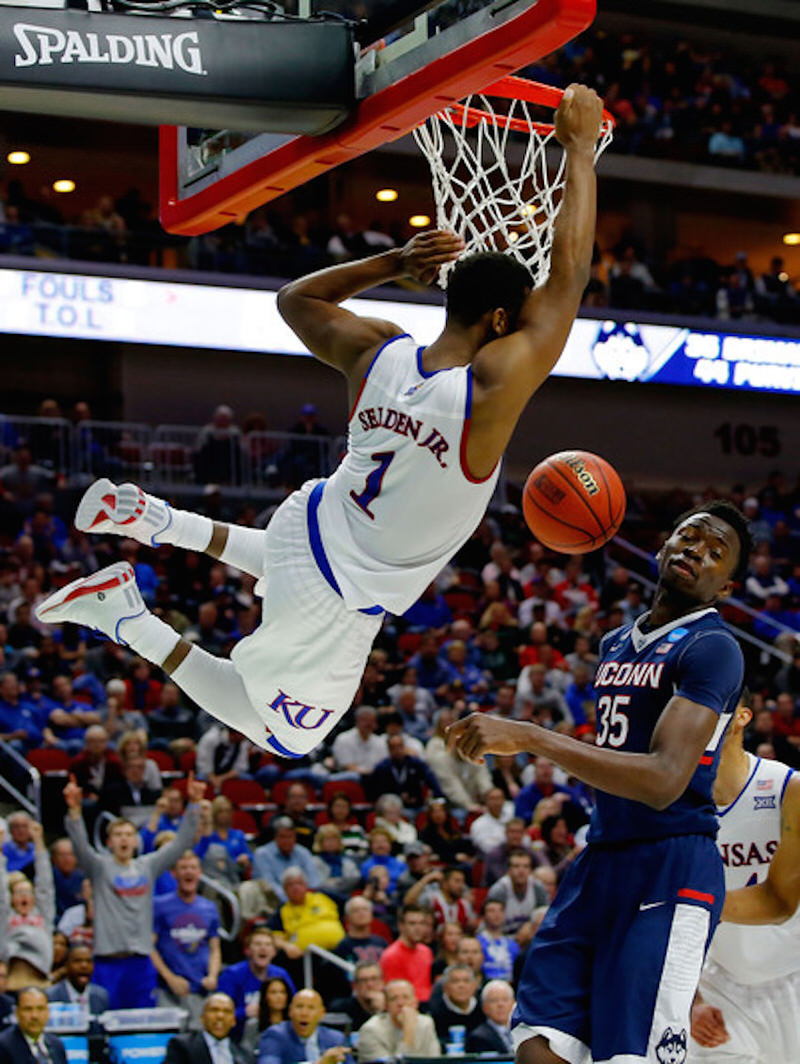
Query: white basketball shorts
<point x="763" y="1020"/>
<point x="302" y="666"/>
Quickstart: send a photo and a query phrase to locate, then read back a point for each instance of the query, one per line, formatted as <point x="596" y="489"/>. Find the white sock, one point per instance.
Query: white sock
<point x="149" y="636"/>
<point x="187" y="530"/>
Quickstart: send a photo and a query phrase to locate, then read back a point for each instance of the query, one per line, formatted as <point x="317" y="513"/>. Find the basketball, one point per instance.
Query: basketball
<point x="574" y="502"/>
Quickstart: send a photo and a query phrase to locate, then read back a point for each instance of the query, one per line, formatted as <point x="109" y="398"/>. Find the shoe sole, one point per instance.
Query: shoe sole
<point x="97" y="501"/>
<point x="106" y="580"/>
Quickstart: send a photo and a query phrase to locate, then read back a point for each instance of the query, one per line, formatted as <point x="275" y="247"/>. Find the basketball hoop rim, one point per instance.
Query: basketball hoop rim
<point x="512" y="87"/>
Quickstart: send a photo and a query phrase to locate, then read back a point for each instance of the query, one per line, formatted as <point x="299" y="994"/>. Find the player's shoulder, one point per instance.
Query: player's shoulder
<point x="706" y="632"/>
<point x="613" y="639"/>
<point x="790" y="799"/>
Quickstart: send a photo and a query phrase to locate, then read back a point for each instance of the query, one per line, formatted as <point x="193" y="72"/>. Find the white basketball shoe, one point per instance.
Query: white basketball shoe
<point x="102" y="601"/>
<point x="125" y="510"/>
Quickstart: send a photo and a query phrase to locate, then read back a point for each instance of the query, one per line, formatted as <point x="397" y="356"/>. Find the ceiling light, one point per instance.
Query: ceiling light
<point x="64" y="184"/>
<point x="18" y="158"/>
<point x="419" y="221"/>
<point x="386" y="195"/>
<point x="791" y="239"/>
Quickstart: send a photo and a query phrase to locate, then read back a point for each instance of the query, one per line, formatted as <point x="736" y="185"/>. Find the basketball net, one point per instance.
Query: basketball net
<point x="493" y="182"/>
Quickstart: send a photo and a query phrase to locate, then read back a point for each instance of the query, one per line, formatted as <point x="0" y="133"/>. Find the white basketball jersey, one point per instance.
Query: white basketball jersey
<point x="749" y="833"/>
<point x="402" y="502"/>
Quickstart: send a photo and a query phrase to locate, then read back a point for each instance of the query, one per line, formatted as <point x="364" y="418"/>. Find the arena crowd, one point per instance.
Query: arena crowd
<point x="427" y="877"/>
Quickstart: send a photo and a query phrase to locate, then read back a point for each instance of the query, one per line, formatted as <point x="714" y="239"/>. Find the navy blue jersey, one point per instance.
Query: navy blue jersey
<point x="639" y="672"/>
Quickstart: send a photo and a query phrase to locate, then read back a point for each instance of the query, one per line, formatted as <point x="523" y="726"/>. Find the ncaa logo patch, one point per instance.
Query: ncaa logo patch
<point x="764" y="801"/>
<point x="677" y="635"/>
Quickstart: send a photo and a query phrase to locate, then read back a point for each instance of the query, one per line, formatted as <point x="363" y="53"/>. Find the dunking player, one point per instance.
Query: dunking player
<point x="747" y="1009"/>
<point x="427" y="431"/>
<point x="614" y="966"/>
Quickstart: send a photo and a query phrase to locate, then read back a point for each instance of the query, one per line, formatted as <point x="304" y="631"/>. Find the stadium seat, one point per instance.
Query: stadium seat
<point x="408" y="643"/>
<point x="378" y="927"/>
<point x="164" y="760"/>
<point x="353" y="790"/>
<point x="187" y="761"/>
<point x="49" y="760"/>
<point x="245" y="792"/>
<point x="244" y="821"/>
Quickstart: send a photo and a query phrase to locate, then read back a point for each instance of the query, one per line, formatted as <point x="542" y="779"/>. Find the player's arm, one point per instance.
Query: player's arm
<point x="777" y="898"/>
<point x="310" y="305"/>
<point x="510" y="369"/>
<point x="656" y="778"/>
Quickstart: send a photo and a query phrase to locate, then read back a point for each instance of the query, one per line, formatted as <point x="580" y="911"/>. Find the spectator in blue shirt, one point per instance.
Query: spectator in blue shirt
<point x="242" y="982"/>
<point x="431" y="672"/>
<point x="499" y="950"/>
<point x="459" y="668"/>
<point x="580" y="694"/>
<point x="429" y="611"/>
<point x="19" y="850"/>
<point x="167" y="816"/>
<point x="380" y="844"/>
<point x="272" y="860"/>
<point x="19" y="719"/>
<point x="69" y="719"/>
<point x="219" y="840"/>
<point x="187" y="951"/>
<point x="542" y="787"/>
<point x="67" y="877"/>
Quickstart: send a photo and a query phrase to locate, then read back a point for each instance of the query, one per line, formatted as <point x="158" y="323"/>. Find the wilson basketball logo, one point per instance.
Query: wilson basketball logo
<point x="578" y="466"/>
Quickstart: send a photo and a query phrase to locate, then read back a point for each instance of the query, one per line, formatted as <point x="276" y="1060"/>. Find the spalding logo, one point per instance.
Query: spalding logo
<point x="45" y="45"/>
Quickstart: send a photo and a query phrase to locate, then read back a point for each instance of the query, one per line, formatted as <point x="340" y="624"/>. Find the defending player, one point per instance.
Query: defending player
<point x="427" y="431"/>
<point x="747" y="1009"/>
<point x="613" y="969"/>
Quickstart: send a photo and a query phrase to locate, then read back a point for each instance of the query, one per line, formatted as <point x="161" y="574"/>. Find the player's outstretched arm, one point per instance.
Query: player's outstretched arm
<point x="656" y="778"/>
<point x="516" y="364"/>
<point x="777" y="898"/>
<point x="310" y="305"/>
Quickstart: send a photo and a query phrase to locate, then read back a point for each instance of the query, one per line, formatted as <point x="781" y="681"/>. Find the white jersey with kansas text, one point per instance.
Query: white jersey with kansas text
<point x="749" y="833"/>
<point x="402" y="501"/>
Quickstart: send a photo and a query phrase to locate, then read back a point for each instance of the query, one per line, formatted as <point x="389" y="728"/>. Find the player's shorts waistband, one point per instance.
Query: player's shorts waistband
<point x="317" y="549"/>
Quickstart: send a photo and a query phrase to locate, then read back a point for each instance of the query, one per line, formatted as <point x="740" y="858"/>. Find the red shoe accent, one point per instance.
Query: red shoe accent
<point x="109" y="500"/>
<point x="79" y="592"/>
<point x="101" y="516"/>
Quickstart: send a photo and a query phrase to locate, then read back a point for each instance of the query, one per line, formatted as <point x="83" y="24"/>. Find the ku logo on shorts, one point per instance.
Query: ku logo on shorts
<point x="299" y="714"/>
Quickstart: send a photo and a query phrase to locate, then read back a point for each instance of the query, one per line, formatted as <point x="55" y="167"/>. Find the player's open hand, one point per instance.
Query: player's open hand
<point x="480" y="734"/>
<point x="426" y="252"/>
<point x="708" y="1026"/>
<point x="578" y="118"/>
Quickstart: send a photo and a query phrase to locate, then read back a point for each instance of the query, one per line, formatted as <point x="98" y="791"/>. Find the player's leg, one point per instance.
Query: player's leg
<point x="537" y="1051"/>
<point x="551" y="1021"/>
<point x="651" y="946"/>
<point x="109" y="602"/>
<point x="127" y="510"/>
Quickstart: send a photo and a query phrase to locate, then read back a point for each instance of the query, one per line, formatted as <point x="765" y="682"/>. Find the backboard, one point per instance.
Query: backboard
<point x="450" y="49"/>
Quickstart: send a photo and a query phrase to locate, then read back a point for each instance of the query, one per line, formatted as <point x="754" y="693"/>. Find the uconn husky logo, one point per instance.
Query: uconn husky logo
<point x="299" y="714"/>
<point x="672" y="1047"/>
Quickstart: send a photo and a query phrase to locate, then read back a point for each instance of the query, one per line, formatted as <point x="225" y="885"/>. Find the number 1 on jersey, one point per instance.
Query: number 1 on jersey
<point x="374" y="482"/>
